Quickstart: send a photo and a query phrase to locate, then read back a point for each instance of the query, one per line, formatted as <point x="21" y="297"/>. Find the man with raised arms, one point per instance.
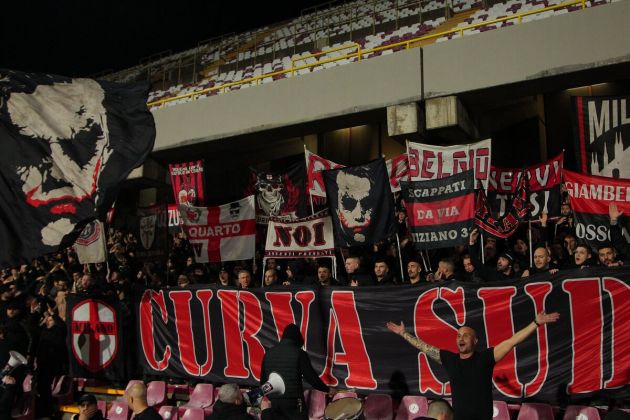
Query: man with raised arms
<point x="470" y="371"/>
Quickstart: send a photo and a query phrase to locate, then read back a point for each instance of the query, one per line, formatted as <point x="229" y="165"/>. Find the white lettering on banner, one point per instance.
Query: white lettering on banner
<point x="592" y="232"/>
<point x="598" y="192"/>
<point x="442" y="235"/>
<point x="196" y="232"/>
<point x="444" y="189"/>
<point x="186" y="170"/>
<point x="600" y="123"/>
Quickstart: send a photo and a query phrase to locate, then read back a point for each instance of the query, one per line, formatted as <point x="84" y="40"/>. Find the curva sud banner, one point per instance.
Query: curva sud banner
<point x="544" y="187"/>
<point x="590" y="197"/>
<point x="221" y="335"/>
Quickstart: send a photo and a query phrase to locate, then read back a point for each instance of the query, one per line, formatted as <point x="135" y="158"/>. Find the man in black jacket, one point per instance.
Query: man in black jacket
<point x="289" y="361"/>
<point x="230" y="404"/>
<point x="505" y="262"/>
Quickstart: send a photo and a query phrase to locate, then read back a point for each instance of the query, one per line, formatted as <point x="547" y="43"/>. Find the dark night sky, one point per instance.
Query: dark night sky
<point x="83" y="37"/>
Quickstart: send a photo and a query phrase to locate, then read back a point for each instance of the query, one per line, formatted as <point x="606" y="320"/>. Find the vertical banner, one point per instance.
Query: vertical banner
<point x="590" y="197"/>
<point x="544" y="187"/>
<point x="602" y="135"/>
<point x="188" y="182"/>
<point x="222" y="233"/>
<point x="441" y="211"/>
<point x="95" y="338"/>
<point x="434" y="162"/>
<point x="152" y="231"/>
<point x="361" y="203"/>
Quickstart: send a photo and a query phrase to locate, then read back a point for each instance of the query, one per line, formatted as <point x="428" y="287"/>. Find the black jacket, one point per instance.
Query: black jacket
<point x="223" y="411"/>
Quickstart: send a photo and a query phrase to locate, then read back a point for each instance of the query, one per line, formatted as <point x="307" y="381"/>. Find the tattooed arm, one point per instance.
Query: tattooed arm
<point x="431" y="351"/>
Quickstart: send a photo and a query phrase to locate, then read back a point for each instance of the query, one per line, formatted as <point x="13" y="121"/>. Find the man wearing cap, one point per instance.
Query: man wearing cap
<point x="289" y="361"/>
<point x="88" y="409"/>
<point x="505" y="262"/>
<point x="224" y="278"/>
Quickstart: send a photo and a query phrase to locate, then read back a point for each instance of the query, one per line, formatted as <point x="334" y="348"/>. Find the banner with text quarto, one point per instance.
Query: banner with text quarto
<point x="221" y="334"/>
<point x="427" y="161"/>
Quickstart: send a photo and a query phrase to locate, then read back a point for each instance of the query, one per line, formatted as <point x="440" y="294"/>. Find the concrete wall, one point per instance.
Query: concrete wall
<point x="561" y="44"/>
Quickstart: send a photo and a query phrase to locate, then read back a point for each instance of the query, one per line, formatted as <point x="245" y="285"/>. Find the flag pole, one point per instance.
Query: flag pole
<point x="529" y="231"/>
<point x="402" y="274"/>
<point x="483" y="253"/>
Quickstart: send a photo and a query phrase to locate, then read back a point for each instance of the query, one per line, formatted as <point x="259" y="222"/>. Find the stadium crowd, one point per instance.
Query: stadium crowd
<point x="33" y="296"/>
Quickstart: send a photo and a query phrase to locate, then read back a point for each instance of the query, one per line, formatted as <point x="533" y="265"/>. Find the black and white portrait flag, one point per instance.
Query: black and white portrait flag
<point x="67" y="145"/>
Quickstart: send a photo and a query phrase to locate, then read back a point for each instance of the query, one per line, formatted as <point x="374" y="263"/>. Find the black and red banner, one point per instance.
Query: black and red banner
<point x="188" y="182"/>
<point x="441" y="212"/>
<point x="95" y="338"/>
<point x="152" y="231"/>
<point x="517" y="211"/>
<point x="544" y="187"/>
<point x="206" y="333"/>
<point x="590" y="197"/>
<point x="602" y="135"/>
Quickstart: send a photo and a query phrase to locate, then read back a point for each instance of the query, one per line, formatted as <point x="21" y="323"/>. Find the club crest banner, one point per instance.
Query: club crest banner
<point x="350" y="346"/>
<point x="309" y="237"/>
<point x="434" y="162"/>
<point x="441" y="212"/>
<point x="222" y="233"/>
<point x="152" y="232"/>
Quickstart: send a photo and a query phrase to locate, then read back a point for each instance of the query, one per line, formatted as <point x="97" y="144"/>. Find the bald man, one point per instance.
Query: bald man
<point x="470" y="371"/>
<point x="137" y="401"/>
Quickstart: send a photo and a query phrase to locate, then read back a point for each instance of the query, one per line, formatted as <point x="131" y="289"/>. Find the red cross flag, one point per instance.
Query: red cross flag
<point x="94" y="334"/>
<point x="223" y="233"/>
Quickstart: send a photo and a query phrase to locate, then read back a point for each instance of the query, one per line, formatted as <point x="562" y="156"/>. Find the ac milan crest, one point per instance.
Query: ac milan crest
<point x="94" y="334"/>
<point x="90" y="234"/>
<point x="147" y="230"/>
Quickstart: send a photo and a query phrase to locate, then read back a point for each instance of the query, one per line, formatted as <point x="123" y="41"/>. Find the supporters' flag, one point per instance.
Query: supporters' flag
<point x="309" y="237"/>
<point x="174" y="219"/>
<point x="67" y="144"/>
<point x="91" y="245"/>
<point x="590" y="197"/>
<point x="518" y="209"/>
<point x="434" y="162"/>
<point x="314" y="166"/>
<point x="544" y="187"/>
<point x="361" y="203"/>
<point x="398" y="170"/>
<point x="152" y="231"/>
<point x="188" y="182"/>
<point x="441" y="212"/>
<point x="95" y="338"/>
<point x="223" y="233"/>
<point x="279" y="194"/>
<point x="602" y="135"/>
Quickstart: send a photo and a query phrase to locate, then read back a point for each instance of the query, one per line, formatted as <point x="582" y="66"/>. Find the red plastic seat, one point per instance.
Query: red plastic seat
<point x="168" y="412"/>
<point x="193" y="414"/>
<point x="378" y="407"/>
<point x="581" y="412"/>
<point x="412" y="406"/>
<point x="316" y="403"/>
<point x="535" y="411"/>
<point x="118" y="411"/>
<point x="156" y="394"/>
<point x="202" y="397"/>
<point x="500" y="410"/>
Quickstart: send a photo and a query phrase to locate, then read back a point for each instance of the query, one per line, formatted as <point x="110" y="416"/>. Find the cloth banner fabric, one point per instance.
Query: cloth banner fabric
<point x="222" y="233"/>
<point x="544" y="187"/>
<point x="152" y="232"/>
<point x="310" y="237"/>
<point x="397" y="170"/>
<point x="188" y="182"/>
<point x="221" y="334"/>
<point x="95" y="337"/>
<point x="590" y="197"/>
<point x="428" y="162"/>
<point x="67" y="144"/>
<point x="91" y="246"/>
<point x="504" y="226"/>
<point x="602" y="135"/>
<point x="441" y="212"/>
<point x="361" y="203"/>
<point x="279" y="194"/>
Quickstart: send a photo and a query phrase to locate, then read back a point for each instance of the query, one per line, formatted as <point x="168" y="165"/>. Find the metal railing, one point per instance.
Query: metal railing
<point x="360" y="54"/>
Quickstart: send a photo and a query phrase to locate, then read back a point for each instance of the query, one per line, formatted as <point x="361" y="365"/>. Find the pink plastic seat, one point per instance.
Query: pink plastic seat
<point x="500" y="410"/>
<point x="316" y="403"/>
<point x="118" y="411"/>
<point x="156" y="394"/>
<point x="62" y="389"/>
<point x="102" y="407"/>
<point x="412" y="406"/>
<point x="581" y="412"/>
<point x="168" y="412"/>
<point x="378" y="407"/>
<point x="535" y="411"/>
<point x="24" y="407"/>
<point x="344" y="395"/>
<point x="193" y="414"/>
<point x="202" y="397"/>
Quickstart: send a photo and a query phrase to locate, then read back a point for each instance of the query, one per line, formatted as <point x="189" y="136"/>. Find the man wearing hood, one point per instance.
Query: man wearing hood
<point x="289" y="361"/>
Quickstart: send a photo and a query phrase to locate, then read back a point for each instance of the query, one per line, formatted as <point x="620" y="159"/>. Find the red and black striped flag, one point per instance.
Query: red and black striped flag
<point x="188" y="182"/>
<point x="441" y="211"/>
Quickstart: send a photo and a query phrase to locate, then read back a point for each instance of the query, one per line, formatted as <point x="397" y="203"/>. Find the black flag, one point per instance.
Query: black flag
<point x="361" y="203"/>
<point x="67" y="144"/>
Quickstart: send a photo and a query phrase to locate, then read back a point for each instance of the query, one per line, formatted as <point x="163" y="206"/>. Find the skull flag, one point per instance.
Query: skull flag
<point x="67" y="145"/>
<point x="361" y="203"/>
